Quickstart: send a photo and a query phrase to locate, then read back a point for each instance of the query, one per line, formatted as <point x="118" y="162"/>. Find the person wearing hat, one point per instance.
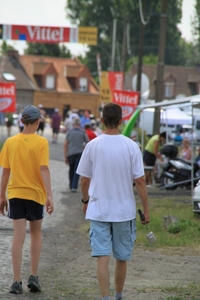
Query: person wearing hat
<point x="55" y="125"/>
<point x="25" y="156"/>
<point x="151" y="153"/>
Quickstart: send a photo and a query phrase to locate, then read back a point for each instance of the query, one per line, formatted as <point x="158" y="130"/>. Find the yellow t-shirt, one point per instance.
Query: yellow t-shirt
<point x="23" y="154"/>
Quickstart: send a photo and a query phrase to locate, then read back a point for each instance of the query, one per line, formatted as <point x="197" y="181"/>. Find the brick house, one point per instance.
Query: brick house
<point x="61" y="83"/>
<point x="177" y="81"/>
<point x="12" y="71"/>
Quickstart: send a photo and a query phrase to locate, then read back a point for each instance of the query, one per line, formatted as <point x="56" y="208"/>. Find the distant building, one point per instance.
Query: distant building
<point x="53" y="82"/>
<point x="177" y="81"/>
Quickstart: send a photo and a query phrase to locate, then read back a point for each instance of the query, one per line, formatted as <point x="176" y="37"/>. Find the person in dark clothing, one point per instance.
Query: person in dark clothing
<point x="75" y="141"/>
<point x="55" y="125"/>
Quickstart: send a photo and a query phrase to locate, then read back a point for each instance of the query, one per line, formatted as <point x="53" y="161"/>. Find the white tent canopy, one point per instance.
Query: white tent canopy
<point x="175" y="116"/>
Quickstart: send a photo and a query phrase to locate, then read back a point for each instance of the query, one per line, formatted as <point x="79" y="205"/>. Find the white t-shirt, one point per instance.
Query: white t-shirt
<point x="112" y="162"/>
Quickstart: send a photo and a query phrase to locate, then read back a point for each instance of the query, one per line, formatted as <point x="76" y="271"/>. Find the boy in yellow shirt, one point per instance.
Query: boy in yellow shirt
<point x="26" y="177"/>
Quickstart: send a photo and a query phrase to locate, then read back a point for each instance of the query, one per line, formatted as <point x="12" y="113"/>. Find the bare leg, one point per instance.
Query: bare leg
<point x="17" y="246"/>
<point x="36" y="244"/>
<point x="103" y="275"/>
<point x="120" y="275"/>
<point x="148" y="177"/>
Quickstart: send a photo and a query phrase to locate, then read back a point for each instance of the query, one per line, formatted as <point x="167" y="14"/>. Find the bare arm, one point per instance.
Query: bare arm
<point x="155" y="148"/>
<point x="4" y="182"/>
<point x="189" y="154"/>
<point x="65" y="147"/>
<point x="44" y="170"/>
<point x="85" y="183"/>
<point x="142" y="192"/>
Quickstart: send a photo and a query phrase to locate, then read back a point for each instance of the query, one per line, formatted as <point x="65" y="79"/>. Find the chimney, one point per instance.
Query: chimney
<point x="13" y="54"/>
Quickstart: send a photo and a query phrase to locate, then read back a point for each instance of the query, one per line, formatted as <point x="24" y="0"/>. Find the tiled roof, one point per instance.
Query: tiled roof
<point x="193" y="78"/>
<point x="12" y="66"/>
<point x="65" y="67"/>
<point x="72" y="71"/>
<point x="182" y="76"/>
<point x="40" y="68"/>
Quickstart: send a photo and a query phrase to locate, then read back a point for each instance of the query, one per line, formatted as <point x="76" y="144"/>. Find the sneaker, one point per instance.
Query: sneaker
<point x="73" y="190"/>
<point x="16" y="288"/>
<point x="33" y="284"/>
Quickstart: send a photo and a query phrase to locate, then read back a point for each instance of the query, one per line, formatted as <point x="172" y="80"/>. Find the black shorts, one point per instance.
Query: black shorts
<point x="149" y="158"/>
<point x="25" y="209"/>
<point x="41" y="126"/>
<point x="56" y="130"/>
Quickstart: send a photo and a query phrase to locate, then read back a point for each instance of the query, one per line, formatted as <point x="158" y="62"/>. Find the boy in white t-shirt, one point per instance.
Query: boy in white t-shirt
<point x="108" y="166"/>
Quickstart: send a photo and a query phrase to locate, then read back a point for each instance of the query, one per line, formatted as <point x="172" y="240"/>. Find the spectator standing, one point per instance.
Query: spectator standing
<point x="151" y="153"/>
<point x="68" y="122"/>
<point x="9" y="123"/>
<point x="42" y="122"/>
<point x="85" y="119"/>
<point x="28" y="191"/>
<point x="75" y="141"/>
<point x="185" y="134"/>
<point x="90" y="133"/>
<point x="20" y="124"/>
<point x="55" y="125"/>
<point x="108" y="166"/>
<point x="186" y="152"/>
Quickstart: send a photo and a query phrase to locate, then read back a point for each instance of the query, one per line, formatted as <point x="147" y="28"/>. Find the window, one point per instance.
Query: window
<point x="9" y="76"/>
<point x="83" y="84"/>
<point x="169" y="89"/>
<point x="50" y="81"/>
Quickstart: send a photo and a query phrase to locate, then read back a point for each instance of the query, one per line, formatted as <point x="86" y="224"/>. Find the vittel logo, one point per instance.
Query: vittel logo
<point x="126" y="99"/>
<point x="7" y="91"/>
<point x="118" y="81"/>
<point x="45" y="33"/>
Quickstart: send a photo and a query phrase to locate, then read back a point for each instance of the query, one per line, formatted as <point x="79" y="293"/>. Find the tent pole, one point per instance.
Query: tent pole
<point x="192" y="158"/>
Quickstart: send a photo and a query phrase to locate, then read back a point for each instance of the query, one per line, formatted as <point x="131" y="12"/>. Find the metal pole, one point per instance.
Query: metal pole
<point x="192" y="157"/>
<point x="160" y="67"/>
<point x="113" y="45"/>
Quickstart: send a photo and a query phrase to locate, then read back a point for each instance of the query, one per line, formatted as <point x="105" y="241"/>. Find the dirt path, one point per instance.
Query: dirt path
<point x="68" y="272"/>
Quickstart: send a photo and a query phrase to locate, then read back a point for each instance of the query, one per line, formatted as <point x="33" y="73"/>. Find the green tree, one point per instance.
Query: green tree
<point x="100" y="14"/>
<point x="54" y="50"/>
<point x="5" y="47"/>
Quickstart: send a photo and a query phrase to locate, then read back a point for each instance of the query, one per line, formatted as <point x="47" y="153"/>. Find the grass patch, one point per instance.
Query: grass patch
<point x="184" y="233"/>
<point x="190" y="292"/>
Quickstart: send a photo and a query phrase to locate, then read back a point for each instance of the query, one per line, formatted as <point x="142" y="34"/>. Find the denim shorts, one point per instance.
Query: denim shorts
<point x="113" y="238"/>
<point x="25" y="209"/>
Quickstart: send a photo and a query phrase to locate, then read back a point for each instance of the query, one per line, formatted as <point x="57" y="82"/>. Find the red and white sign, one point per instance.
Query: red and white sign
<point x="7" y="97"/>
<point x="40" y="34"/>
<point x="116" y="80"/>
<point x="127" y="100"/>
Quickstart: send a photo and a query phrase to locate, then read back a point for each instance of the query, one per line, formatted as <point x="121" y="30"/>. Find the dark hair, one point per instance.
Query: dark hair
<point x="25" y="120"/>
<point x="163" y="134"/>
<point x="87" y="126"/>
<point x="112" y="114"/>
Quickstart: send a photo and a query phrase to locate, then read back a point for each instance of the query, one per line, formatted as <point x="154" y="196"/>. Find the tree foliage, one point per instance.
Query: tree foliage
<point x="53" y="50"/>
<point x="5" y="47"/>
<point x="100" y="14"/>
